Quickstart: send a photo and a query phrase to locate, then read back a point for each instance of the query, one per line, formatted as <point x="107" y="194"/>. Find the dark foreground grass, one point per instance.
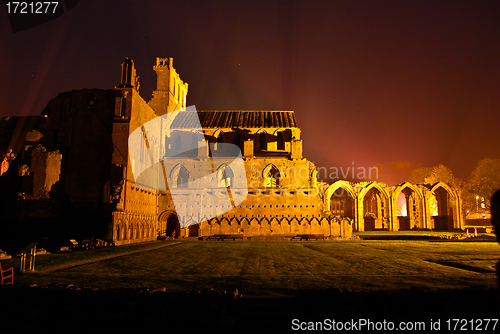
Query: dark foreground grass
<point x="270" y="268"/>
<point x="195" y="283"/>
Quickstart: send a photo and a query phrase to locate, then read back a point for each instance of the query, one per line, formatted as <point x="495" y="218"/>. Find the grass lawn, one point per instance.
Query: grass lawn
<point x="272" y="268"/>
<point x="169" y="285"/>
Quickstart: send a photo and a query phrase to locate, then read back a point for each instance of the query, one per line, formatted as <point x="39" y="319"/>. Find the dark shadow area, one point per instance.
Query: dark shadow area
<point x="107" y="310"/>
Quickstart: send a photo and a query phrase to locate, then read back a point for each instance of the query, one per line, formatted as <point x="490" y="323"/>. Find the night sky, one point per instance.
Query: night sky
<point x="370" y="81"/>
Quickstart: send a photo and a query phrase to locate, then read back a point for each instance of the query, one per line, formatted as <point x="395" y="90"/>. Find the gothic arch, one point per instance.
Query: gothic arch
<point x="225" y="176"/>
<point x="168" y="223"/>
<point x="409" y="185"/>
<point x="341" y="200"/>
<point x="447" y="215"/>
<point x="271" y="175"/>
<point x="375" y="213"/>
<point x="179" y="176"/>
<point x="444" y="186"/>
<point x="340" y="184"/>
<point x="407" y="204"/>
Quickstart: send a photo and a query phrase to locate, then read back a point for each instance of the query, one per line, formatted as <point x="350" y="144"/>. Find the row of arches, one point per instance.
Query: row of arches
<point x="134" y="230"/>
<point x="375" y="206"/>
<point x="179" y="176"/>
<point x="336" y="227"/>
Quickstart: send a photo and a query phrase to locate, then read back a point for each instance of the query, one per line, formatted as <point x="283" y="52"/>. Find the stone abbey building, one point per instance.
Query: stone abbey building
<point x="71" y="170"/>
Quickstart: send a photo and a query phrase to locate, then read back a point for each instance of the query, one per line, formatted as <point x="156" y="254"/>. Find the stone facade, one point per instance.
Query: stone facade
<point x="77" y="169"/>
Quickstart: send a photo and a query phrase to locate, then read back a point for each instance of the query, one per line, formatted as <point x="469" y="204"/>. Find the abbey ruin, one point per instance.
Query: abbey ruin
<point x="73" y="171"/>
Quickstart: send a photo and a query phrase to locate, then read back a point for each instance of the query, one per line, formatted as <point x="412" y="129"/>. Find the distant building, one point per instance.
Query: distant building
<point x="73" y="173"/>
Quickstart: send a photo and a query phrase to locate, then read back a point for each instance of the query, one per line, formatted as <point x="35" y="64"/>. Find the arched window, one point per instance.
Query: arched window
<point x="225" y="176"/>
<point x="271" y="176"/>
<point x="179" y="176"/>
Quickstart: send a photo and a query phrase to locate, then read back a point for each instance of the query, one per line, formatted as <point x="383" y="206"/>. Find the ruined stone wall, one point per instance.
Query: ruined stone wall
<point x="135" y="211"/>
<point x="45" y="169"/>
<point x="377" y="206"/>
<point x="79" y="125"/>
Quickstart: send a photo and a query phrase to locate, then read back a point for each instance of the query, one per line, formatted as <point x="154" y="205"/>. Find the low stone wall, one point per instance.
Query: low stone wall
<point x="273" y="227"/>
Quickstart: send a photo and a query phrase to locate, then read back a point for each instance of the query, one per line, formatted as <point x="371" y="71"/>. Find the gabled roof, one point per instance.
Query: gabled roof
<point x="215" y="119"/>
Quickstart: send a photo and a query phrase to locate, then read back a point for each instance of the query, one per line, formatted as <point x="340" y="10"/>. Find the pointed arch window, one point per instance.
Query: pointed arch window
<point x="225" y="176"/>
<point x="271" y="176"/>
<point x="179" y="176"/>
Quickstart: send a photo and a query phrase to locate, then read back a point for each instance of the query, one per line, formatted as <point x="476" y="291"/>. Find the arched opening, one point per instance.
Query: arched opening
<point x="225" y="176"/>
<point x="342" y="204"/>
<point x="271" y="176"/>
<point x="124" y="232"/>
<point x="442" y="209"/>
<point x="193" y="230"/>
<point x="375" y="209"/>
<point x="402" y="207"/>
<point x="169" y="225"/>
<point x="179" y="176"/>
<point x="408" y="209"/>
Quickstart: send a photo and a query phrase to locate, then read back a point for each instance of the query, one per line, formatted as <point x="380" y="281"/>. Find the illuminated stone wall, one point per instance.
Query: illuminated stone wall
<point x="376" y="206"/>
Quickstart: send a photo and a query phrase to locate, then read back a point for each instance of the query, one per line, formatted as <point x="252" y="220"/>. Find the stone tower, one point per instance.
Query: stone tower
<point x="128" y="78"/>
<point x="170" y="93"/>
